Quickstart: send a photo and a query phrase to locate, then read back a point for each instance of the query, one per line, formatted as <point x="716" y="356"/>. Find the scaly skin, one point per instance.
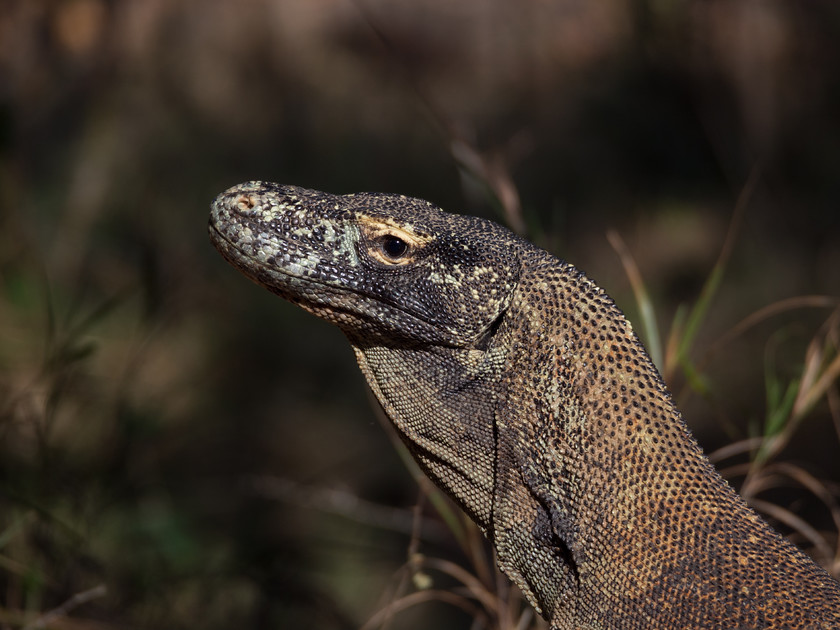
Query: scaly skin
<point x="522" y="391"/>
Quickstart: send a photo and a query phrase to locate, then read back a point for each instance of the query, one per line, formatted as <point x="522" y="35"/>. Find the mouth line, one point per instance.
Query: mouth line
<point x="237" y="257"/>
<point x="253" y="263"/>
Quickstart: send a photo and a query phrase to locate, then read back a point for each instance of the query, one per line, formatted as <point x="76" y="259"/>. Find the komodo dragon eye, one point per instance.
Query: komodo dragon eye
<point x="389" y="244"/>
<point x="393" y="247"/>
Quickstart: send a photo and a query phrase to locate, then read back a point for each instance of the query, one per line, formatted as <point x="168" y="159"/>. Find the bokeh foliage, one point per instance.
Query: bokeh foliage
<point x="179" y="449"/>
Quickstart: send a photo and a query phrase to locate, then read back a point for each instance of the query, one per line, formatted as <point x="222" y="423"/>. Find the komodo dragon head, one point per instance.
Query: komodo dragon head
<point x="420" y="294"/>
<point x="381" y="267"/>
<point x="522" y="391"/>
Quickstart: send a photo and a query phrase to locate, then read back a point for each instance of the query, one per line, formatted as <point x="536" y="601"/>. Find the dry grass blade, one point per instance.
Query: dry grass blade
<point x="646" y="310"/>
<point x="817" y="379"/>
<point x="735" y="472"/>
<point x="422" y="597"/>
<point x="478" y="590"/>
<point x="776" y="308"/>
<point x="412" y="568"/>
<point x="814" y="485"/>
<point x="672" y="344"/>
<point x="493" y="172"/>
<point x="17" y="619"/>
<point x="765" y="480"/>
<point x="735" y="448"/>
<point x="822" y="548"/>
<point x="499" y="609"/>
<point x="515" y="613"/>
<point x="74" y="602"/>
<point x="775" y="475"/>
<point x="834" y="408"/>
<point x="491" y="169"/>
<point x="507" y="602"/>
<point x="477" y="554"/>
<point x="818" y="376"/>
<point x="348" y="505"/>
<point x="710" y="287"/>
<point x="811" y="395"/>
<point x="525" y="619"/>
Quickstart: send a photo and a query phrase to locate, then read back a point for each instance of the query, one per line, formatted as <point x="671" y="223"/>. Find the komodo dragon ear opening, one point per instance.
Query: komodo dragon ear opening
<point x="483" y="343"/>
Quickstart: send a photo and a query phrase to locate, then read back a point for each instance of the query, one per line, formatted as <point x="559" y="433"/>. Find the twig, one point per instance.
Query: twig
<point x="794" y="522"/>
<point x="412" y="567"/>
<point x="494" y="173"/>
<point x="735" y="448"/>
<point x="74" y="602"/>
<point x="789" y="304"/>
<point x="473" y="584"/>
<point x="347" y="505"/>
<point x="491" y="169"/>
<point x="420" y="597"/>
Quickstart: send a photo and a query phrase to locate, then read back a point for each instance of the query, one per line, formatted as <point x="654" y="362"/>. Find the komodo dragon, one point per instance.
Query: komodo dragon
<point x="523" y="392"/>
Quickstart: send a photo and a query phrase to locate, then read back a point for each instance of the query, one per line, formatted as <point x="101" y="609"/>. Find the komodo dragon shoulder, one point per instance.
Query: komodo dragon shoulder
<point x="523" y="392"/>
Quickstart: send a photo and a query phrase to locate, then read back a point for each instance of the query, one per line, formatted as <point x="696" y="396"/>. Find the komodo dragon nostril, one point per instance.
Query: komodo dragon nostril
<point x="245" y="203"/>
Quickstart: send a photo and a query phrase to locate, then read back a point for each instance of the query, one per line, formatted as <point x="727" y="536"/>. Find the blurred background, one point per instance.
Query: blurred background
<point x="180" y="449"/>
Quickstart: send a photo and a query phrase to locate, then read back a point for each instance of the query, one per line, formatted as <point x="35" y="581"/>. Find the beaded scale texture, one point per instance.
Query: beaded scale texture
<point x="523" y="392"/>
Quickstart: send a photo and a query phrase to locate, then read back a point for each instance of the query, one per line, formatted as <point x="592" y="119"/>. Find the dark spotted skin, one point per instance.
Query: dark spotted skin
<point x="522" y="391"/>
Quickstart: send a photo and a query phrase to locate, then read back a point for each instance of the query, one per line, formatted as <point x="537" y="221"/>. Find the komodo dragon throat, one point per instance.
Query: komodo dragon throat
<point x="522" y="391"/>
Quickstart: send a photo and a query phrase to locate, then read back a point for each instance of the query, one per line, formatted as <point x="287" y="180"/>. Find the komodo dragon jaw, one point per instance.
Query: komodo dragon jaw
<point x="522" y="391"/>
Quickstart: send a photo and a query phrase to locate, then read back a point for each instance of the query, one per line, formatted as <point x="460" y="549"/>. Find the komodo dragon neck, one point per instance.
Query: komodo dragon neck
<point x="522" y="391"/>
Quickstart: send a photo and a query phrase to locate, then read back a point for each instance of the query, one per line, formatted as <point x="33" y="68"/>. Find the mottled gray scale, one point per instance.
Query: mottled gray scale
<point x="522" y="391"/>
